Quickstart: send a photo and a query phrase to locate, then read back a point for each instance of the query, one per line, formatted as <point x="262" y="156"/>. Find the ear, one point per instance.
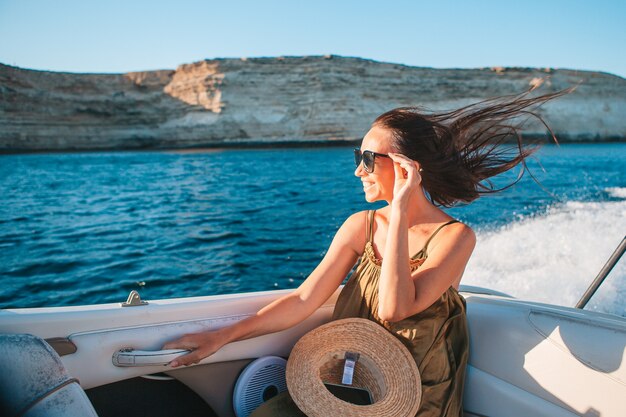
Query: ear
<point x="420" y="171"/>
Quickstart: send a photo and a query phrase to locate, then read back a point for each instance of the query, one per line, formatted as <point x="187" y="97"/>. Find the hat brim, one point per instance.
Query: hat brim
<point x="385" y="363"/>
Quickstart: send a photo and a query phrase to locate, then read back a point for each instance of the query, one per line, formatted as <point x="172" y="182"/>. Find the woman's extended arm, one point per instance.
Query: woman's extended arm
<point x="290" y="309"/>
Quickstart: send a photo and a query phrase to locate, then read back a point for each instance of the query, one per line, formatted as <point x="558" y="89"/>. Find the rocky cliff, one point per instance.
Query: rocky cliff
<point x="268" y="100"/>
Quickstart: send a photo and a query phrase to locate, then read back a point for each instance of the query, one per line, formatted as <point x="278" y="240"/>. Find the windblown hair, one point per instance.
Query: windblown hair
<point x="460" y="150"/>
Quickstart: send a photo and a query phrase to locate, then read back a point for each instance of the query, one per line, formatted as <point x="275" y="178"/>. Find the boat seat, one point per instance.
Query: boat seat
<point x="34" y="382"/>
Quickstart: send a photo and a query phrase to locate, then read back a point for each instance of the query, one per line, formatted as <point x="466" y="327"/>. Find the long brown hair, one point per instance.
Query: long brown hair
<point x="460" y="150"/>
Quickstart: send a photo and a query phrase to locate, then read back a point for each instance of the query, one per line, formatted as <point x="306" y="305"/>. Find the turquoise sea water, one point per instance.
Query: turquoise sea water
<point x="87" y="228"/>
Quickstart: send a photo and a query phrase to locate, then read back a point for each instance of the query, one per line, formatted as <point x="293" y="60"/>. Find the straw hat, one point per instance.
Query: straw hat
<point x="385" y="368"/>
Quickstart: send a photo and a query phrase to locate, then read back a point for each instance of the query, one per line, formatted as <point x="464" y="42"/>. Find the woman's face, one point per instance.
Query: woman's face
<point x="378" y="184"/>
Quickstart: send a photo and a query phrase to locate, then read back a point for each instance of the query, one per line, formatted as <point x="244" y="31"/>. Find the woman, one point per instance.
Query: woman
<point x="411" y="253"/>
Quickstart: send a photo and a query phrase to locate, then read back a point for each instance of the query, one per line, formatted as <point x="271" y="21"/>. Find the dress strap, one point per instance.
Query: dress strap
<point x="369" y="225"/>
<point x="425" y="250"/>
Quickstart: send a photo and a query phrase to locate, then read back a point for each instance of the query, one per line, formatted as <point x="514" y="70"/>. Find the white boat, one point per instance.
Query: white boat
<point x="526" y="358"/>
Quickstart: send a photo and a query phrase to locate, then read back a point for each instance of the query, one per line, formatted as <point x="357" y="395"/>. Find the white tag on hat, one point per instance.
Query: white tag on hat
<point x="348" y="367"/>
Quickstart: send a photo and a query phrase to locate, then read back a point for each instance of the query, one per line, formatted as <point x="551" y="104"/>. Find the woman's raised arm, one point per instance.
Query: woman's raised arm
<point x="402" y="293"/>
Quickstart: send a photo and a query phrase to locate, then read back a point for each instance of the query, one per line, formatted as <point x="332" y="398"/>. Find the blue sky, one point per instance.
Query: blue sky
<point x="121" y="36"/>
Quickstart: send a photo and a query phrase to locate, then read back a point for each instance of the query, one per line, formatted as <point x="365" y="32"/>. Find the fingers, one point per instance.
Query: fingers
<point x="404" y="161"/>
<point x="171" y="345"/>
<point x="405" y="167"/>
<point x="200" y="346"/>
<point x="185" y="360"/>
<point x="399" y="171"/>
<point x="399" y="157"/>
<point x="182" y="343"/>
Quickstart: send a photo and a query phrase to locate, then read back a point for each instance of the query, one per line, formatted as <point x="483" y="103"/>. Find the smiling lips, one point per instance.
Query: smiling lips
<point x="367" y="185"/>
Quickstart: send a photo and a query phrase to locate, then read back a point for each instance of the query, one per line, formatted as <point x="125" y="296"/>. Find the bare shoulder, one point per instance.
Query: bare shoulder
<point x="357" y="219"/>
<point x="352" y="232"/>
<point x="456" y="234"/>
<point x="462" y="231"/>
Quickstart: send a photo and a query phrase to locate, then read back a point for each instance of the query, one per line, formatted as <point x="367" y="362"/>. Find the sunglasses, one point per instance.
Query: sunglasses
<point x="368" y="158"/>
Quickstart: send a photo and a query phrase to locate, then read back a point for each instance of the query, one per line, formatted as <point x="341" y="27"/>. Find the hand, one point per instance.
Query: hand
<point x="201" y="345"/>
<point x="407" y="177"/>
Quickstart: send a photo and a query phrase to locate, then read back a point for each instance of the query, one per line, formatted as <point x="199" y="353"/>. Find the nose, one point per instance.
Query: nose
<point x="359" y="171"/>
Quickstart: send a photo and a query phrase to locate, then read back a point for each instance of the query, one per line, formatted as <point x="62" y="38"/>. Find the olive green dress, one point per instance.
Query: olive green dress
<point x="436" y="337"/>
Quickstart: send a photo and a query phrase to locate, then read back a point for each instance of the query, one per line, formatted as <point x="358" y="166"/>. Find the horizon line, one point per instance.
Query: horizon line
<point x="325" y="56"/>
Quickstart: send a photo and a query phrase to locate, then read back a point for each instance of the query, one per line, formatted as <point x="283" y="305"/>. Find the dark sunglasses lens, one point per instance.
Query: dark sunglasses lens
<point x="357" y="157"/>
<point x="368" y="161"/>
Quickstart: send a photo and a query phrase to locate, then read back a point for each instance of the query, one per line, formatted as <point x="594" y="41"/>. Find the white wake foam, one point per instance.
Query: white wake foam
<point x="554" y="257"/>
<point x="618" y="192"/>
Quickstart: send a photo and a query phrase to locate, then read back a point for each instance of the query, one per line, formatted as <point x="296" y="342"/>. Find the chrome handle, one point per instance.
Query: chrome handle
<point x="127" y="357"/>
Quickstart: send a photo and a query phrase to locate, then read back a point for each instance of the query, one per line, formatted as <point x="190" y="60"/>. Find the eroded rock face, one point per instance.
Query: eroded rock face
<point x="267" y="100"/>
